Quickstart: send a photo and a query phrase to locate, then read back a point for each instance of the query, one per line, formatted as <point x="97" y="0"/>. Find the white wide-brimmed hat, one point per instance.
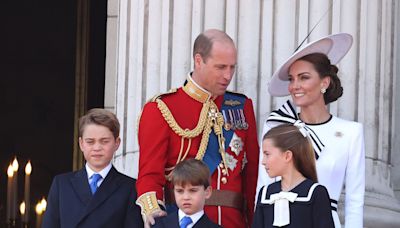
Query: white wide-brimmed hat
<point x="334" y="46"/>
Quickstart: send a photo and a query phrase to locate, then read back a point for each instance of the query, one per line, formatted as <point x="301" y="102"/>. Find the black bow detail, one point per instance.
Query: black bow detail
<point x="287" y="114"/>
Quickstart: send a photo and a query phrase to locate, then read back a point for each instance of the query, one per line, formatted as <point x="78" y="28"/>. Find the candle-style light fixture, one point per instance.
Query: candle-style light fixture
<point x="40" y="208"/>
<point x="39" y="212"/>
<point x="15" y="190"/>
<point x="22" y="208"/>
<point x="15" y="164"/>
<point x="28" y="171"/>
<point x="10" y="191"/>
<point x="44" y="204"/>
<point x="13" y="218"/>
<point x="22" y="211"/>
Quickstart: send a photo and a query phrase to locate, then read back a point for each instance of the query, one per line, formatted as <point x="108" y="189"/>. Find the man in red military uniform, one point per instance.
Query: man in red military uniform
<point x="204" y="121"/>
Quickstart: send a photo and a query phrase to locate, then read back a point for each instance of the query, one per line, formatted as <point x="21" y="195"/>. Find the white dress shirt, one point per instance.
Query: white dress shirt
<point x="103" y="173"/>
<point x="195" y="217"/>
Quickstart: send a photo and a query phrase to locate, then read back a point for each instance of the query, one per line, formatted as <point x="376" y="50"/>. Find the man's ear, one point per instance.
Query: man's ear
<point x="197" y="60"/>
<point x="208" y="192"/>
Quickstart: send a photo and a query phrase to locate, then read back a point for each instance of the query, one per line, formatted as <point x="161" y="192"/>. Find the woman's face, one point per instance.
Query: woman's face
<point x="305" y="84"/>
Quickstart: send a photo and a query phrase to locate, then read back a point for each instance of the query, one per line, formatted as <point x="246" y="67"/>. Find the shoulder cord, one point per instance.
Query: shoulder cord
<point x="210" y="117"/>
<point x="166" y="113"/>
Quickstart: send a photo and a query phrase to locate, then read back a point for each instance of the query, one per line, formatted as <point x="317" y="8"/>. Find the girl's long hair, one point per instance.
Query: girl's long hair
<point x="288" y="137"/>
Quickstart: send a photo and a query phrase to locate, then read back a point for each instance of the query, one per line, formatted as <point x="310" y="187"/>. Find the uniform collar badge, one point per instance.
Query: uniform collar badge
<point x="232" y="103"/>
<point x="195" y="91"/>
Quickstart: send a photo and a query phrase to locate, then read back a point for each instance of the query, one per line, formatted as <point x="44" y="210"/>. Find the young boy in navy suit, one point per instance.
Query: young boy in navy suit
<point x="97" y="195"/>
<point x="191" y="181"/>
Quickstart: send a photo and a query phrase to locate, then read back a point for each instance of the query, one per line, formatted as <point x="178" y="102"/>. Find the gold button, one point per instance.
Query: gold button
<point x="224" y="180"/>
<point x="224" y="171"/>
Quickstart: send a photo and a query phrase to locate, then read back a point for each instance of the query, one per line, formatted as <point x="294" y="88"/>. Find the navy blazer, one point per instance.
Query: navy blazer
<point x="71" y="203"/>
<point x="172" y="221"/>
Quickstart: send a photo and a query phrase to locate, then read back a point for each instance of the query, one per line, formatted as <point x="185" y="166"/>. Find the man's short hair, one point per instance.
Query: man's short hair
<point x="191" y="171"/>
<point x="204" y="42"/>
<point x="101" y="117"/>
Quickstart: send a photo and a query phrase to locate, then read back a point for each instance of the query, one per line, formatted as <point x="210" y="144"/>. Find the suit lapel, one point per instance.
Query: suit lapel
<point x="203" y="222"/>
<point x="80" y="184"/>
<point x="172" y="220"/>
<point x="107" y="187"/>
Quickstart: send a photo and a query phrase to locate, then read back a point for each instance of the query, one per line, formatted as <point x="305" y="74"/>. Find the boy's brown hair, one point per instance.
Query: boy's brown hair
<point x="101" y="117"/>
<point x="191" y="171"/>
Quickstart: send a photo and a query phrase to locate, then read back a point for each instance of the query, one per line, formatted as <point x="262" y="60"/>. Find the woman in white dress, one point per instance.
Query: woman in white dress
<point x="310" y="77"/>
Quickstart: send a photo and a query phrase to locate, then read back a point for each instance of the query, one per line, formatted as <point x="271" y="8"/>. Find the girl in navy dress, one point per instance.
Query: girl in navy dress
<point x="297" y="200"/>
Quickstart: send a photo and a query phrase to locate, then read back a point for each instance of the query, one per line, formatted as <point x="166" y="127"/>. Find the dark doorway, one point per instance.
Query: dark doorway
<point x="38" y="59"/>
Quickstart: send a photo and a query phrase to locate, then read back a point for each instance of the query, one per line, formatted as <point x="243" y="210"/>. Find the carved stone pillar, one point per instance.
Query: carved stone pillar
<point x="149" y="45"/>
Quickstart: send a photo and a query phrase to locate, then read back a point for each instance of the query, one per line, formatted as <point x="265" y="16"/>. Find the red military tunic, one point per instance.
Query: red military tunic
<point x="160" y="148"/>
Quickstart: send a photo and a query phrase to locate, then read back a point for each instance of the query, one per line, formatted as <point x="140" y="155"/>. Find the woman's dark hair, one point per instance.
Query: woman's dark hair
<point x="324" y="68"/>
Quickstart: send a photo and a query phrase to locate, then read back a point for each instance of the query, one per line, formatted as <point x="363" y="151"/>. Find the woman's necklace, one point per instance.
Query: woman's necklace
<point x="290" y="187"/>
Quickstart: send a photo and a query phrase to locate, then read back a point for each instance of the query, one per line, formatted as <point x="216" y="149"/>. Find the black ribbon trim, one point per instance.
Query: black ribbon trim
<point x="287" y="114"/>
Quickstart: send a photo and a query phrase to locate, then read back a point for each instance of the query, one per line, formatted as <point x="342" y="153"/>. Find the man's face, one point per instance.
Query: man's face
<point x="190" y="199"/>
<point x="98" y="146"/>
<point x="215" y="73"/>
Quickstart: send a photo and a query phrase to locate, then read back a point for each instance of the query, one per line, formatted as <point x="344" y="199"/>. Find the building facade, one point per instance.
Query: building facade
<point x="149" y="46"/>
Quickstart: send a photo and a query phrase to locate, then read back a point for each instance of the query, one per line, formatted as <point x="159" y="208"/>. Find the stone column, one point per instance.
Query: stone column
<point x="149" y="51"/>
<point x="395" y="158"/>
<point x="375" y="109"/>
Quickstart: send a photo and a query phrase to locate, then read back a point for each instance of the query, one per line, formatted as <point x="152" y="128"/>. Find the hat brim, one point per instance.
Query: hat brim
<point x="335" y="47"/>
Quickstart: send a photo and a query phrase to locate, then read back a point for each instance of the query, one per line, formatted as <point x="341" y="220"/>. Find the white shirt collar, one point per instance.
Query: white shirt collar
<point x="103" y="173"/>
<point x="195" y="217"/>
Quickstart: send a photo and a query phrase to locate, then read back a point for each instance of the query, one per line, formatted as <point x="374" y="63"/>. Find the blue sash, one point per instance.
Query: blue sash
<point x="212" y="157"/>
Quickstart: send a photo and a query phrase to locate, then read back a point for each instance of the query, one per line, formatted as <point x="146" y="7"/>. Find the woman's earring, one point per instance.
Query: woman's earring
<point x="323" y="90"/>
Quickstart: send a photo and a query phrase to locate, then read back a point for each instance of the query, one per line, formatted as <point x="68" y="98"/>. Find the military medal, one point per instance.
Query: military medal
<point x="231" y="161"/>
<point x="245" y="125"/>
<point x="236" y="144"/>
<point x="232" y="103"/>
<point x="236" y="120"/>
<point x="232" y="119"/>
<point x="227" y="124"/>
